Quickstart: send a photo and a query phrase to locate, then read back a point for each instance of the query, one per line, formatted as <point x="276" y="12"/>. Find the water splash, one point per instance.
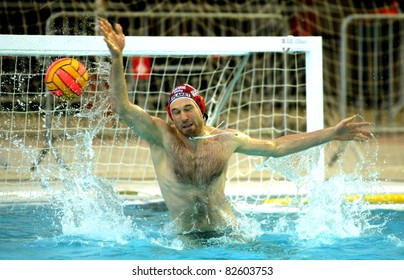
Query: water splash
<point x="245" y="231"/>
<point x="85" y="205"/>
<point x="329" y="214"/>
<point x="328" y="211"/>
<point x="88" y="206"/>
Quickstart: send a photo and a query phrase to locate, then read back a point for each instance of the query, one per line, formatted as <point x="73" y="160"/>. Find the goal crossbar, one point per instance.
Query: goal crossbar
<point x="54" y="45"/>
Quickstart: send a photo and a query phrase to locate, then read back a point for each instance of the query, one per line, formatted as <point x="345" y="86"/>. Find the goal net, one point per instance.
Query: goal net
<point x="265" y="87"/>
<point x="362" y="47"/>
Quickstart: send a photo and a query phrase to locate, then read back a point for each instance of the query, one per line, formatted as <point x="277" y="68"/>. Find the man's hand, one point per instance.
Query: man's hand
<point x="347" y="130"/>
<point x="114" y="38"/>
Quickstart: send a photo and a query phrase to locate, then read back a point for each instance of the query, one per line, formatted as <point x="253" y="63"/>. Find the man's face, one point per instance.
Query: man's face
<point x="187" y="117"/>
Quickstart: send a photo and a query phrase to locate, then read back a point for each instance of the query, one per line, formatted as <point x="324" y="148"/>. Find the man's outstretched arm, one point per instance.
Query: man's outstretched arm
<point x="134" y="116"/>
<point x="345" y="130"/>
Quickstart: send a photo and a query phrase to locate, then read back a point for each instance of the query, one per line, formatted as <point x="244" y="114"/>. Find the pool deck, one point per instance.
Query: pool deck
<point x="148" y="192"/>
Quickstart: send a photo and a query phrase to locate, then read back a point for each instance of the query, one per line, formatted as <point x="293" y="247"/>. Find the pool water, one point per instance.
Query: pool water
<point x="87" y="221"/>
<point x="40" y="232"/>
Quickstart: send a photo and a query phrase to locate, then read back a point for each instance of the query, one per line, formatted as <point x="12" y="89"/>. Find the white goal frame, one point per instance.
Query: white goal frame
<point x="43" y="45"/>
<point x="31" y="45"/>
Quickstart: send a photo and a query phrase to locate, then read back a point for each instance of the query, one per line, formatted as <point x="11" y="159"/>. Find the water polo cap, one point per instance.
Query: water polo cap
<point x="187" y="91"/>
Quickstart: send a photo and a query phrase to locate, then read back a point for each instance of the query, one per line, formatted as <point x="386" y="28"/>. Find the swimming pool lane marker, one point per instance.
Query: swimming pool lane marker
<point x="391" y="198"/>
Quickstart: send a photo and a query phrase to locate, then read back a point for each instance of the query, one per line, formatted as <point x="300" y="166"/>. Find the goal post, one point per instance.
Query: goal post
<point x="263" y="86"/>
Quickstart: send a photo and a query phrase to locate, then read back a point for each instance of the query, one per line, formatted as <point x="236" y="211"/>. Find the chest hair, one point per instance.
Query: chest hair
<point x="199" y="165"/>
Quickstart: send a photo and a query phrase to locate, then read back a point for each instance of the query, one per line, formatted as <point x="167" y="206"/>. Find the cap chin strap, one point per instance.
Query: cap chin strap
<point x="212" y="135"/>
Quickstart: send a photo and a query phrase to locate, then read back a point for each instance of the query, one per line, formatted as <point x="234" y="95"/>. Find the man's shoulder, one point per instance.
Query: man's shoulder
<point x="162" y="124"/>
<point x="228" y="135"/>
<point x="233" y="132"/>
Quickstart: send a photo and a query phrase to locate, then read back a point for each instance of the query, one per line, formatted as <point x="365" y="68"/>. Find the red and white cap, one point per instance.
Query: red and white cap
<point x="187" y="91"/>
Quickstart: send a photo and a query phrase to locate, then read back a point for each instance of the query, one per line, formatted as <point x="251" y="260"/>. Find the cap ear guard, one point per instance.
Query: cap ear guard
<point x="201" y="103"/>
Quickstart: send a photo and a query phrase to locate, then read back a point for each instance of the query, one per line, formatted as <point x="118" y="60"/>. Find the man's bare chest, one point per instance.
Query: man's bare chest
<point x="200" y="164"/>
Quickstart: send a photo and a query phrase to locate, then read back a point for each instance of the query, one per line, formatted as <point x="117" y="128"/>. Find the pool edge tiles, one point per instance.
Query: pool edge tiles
<point x="392" y="193"/>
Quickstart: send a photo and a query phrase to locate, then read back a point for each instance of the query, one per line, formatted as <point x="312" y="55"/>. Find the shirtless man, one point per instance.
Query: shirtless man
<point x="191" y="158"/>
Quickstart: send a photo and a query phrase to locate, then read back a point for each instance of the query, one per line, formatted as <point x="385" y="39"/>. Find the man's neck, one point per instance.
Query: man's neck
<point x="194" y="140"/>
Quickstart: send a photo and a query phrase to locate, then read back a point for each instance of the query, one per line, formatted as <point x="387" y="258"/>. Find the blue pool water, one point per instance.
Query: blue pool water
<point x="37" y="232"/>
<point x="87" y="221"/>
